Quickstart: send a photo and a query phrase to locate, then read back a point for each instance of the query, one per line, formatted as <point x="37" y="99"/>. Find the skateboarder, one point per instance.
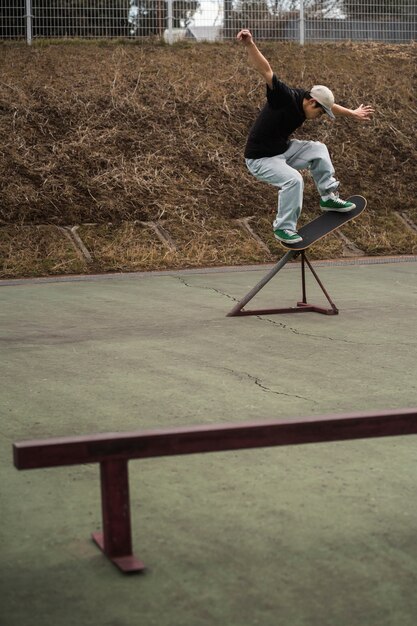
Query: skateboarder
<point x="271" y="156"/>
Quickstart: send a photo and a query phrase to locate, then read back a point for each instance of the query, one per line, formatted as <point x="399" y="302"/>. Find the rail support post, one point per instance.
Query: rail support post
<point x="116" y="539"/>
<point x="302" y="306"/>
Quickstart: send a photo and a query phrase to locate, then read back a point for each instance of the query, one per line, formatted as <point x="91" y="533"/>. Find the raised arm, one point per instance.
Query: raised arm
<point x="361" y="114"/>
<point x="255" y="57"/>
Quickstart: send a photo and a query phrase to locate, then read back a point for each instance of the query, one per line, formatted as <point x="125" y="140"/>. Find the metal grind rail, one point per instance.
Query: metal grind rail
<point x="113" y="451"/>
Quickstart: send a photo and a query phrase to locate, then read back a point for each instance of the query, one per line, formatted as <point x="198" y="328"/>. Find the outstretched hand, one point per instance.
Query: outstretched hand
<point x="364" y="113"/>
<point x="245" y="36"/>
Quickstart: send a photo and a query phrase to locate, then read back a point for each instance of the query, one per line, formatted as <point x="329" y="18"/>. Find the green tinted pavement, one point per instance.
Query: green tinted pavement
<point x="314" y="535"/>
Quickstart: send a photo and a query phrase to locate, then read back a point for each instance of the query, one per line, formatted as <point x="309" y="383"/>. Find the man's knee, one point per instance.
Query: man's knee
<point x="295" y="181"/>
<point x="320" y="150"/>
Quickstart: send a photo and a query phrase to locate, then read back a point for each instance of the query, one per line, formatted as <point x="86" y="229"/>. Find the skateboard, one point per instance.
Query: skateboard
<point x="325" y="224"/>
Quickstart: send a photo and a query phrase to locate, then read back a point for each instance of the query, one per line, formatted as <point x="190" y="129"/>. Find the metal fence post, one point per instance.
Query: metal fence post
<point x="302" y="23"/>
<point x="170" y="20"/>
<point x="29" y="18"/>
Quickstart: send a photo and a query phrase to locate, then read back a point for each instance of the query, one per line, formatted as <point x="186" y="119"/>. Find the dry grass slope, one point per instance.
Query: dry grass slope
<point x="116" y="136"/>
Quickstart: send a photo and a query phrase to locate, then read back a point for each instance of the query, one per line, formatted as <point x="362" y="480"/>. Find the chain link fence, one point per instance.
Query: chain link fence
<point x="390" y="21"/>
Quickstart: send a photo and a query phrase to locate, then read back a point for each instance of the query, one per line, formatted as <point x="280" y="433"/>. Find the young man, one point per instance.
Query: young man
<point x="274" y="158"/>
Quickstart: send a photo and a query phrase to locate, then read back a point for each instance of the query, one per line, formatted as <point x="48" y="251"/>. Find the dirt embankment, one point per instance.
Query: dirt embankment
<point x="125" y="157"/>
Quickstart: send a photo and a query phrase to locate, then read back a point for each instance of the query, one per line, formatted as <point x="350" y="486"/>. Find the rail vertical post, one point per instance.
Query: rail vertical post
<point x="116" y="539"/>
<point x="303" y="277"/>
<point x="334" y="310"/>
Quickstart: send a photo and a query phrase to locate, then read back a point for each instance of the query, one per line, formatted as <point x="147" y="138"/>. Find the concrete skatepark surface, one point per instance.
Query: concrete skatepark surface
<point x="312" y="535"/>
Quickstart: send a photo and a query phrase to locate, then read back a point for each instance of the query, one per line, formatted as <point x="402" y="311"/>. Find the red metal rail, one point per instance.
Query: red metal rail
<point x="114" y="450"/>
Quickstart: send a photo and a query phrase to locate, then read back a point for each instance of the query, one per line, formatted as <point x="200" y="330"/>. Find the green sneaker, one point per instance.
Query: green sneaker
<point x="334" y="203"/>
<point x="287" y="236"/>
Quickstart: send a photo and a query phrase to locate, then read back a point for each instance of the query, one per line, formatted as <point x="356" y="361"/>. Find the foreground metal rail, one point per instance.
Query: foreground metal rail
<point x="114" y="450"/>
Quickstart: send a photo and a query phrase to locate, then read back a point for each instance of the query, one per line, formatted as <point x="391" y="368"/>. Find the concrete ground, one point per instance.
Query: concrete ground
<point x="313" y="535"/>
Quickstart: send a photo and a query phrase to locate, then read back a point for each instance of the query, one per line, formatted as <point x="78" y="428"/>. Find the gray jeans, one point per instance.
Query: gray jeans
<point x="283" y="171"/>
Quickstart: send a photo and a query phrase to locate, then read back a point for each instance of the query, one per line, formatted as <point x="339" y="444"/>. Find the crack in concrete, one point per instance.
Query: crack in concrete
<point x="298" y="332"/>
<point x="279" y="324"/>
<point x="259" y="384"/>
<point x="222" y="293"/>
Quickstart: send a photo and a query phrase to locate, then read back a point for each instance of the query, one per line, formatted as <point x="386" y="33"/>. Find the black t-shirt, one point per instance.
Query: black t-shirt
<point x="282" y="114"/>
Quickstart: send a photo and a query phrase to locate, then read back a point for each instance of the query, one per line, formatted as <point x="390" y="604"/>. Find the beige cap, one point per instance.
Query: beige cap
<point x="325" y="97"/>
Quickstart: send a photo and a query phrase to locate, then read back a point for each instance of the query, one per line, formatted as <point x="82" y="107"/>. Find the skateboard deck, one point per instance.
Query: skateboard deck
<point x="325" y="224"/>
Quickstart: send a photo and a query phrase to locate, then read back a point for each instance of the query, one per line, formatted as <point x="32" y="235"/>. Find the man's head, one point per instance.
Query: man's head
<point x="319" y="101"/>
